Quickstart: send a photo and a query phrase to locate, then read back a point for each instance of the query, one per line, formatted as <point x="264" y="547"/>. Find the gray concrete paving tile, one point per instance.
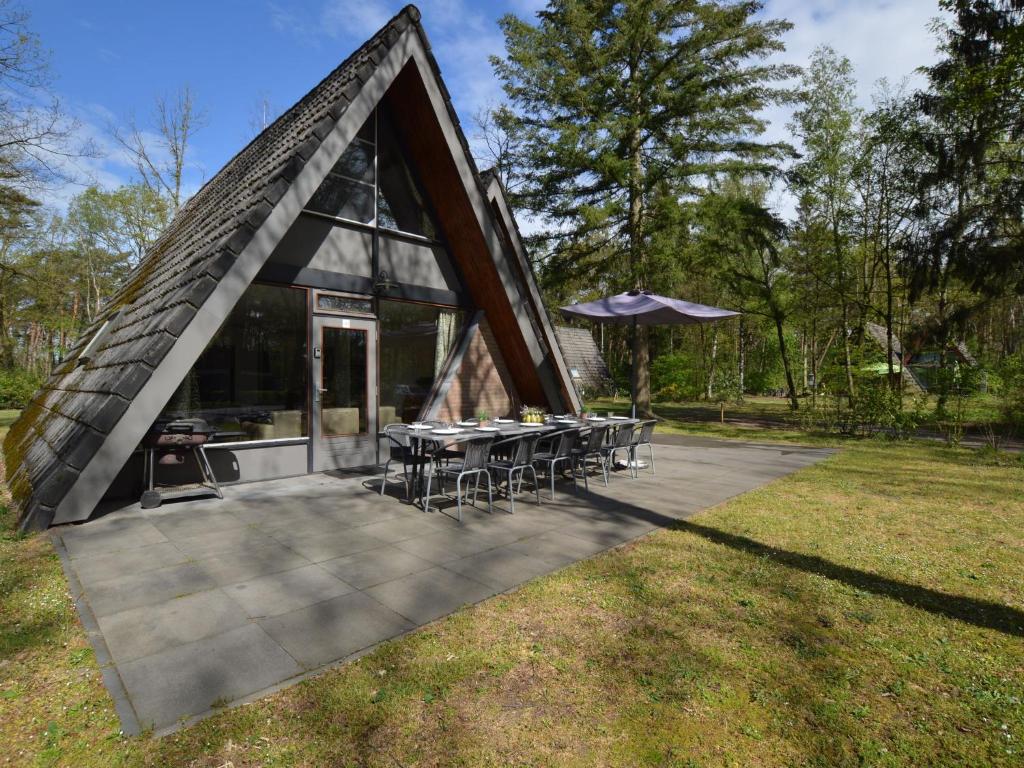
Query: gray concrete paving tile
<point x="131" y="590"/>
<point x="329" y="545"/>
<point x="109" y="534"/>
<point x="501" y="568"/>
<point x="230" y="540"/>
<point x="286" y="591"/>
<point x="305" y="522"/>
<point x="239" y="565"/>
<point x="186" y="524"/>
<point x="96" y="568"/>
<point x="609" y="531"/>
<point x="190" y="679"/>
<point x="446" y="546"/>
<point x="558" y="549"/>
<point x="428" y="595"/>
<point x="152" y="628"/>
<point x="375" y="566"/>
<point x="334" y="629"/>
<point x="399" y="528"/>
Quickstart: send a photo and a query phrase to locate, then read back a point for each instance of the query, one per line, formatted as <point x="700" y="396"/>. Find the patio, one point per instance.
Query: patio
<point x="204" y="604"/>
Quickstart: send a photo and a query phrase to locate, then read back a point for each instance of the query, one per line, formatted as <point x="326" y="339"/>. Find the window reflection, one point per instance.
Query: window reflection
<point x="343" y="381"/>
<point x="401" y="204"/>
<point x="416" y="341"/>
<point x="250" y="381"/>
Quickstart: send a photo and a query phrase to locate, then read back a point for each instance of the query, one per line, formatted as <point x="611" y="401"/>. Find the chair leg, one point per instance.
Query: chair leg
<point x="511" y="494"/>
<point x="384" y="480"/>
<point x="490" y="496"/>
<point x="425" y="500"/>
<point x="476" y="487"/>
<point x="536" y="484"/>
<point x="650" y="447"/>
<point x="605" y="468"/>
<point x="551" y="472"/>
<point x="458" y="495"/>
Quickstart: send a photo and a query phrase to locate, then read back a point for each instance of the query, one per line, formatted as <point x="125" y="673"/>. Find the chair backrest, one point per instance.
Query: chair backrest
<point x="596" y="438"/>
<point x="525" y="448"/>
<point x="563" y="441"/>
<point x="645" y="433"/>
<point x="398" y="438"/>
<point x="623" y="436"/>
<point x="478" y="451"/>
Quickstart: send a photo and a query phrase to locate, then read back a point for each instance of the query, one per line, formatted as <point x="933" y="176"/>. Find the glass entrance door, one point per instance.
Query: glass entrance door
<point x="344" y="379"/>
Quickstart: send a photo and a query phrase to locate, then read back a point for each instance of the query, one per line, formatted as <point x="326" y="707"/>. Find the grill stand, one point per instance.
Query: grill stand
<point x="152" y="498"/>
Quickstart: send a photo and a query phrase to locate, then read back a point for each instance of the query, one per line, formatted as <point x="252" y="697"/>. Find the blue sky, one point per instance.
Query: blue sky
<point x="111" y="59"/>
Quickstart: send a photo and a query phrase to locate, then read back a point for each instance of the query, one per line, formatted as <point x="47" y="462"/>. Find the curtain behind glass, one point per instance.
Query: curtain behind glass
<point x="415" y="343"/>
<point x="447" y="331"/>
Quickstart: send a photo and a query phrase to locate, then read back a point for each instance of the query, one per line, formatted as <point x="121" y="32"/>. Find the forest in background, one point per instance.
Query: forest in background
<point x="633" y="139"/>
<point x="633" y="133"/>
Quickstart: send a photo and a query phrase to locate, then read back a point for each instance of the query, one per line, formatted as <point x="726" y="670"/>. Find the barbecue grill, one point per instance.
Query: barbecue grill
<point x="168" y="443"/>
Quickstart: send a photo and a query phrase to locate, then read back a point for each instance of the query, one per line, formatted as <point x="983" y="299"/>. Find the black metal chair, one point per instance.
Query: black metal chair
<point x="401" y="448"/>
<point x="473" y="463"/>
<point x="620" y="440"/>
<point x="560" y="447"/>
<point x="594" y="448"/>
<point x="643" y="437"/>
<point x="520" y="451"/>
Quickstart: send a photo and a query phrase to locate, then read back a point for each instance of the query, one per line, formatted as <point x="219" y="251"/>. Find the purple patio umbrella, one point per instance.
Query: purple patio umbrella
<point x="645" y="308"/>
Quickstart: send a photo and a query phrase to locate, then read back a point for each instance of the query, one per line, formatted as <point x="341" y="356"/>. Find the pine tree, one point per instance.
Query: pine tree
<point x="613" y="102"/>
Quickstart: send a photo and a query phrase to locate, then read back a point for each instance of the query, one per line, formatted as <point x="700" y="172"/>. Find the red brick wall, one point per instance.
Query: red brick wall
<point x="482" y="383"/>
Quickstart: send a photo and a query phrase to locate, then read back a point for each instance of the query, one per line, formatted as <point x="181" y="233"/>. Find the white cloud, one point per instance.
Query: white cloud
<point x="882" y="38"/>
<point x="355" y="18"/>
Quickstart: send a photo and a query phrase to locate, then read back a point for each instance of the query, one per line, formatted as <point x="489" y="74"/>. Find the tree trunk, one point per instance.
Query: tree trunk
<point x="714" y="363"/>
<point x="742" y="358"/>
<point x="794" y="403"/>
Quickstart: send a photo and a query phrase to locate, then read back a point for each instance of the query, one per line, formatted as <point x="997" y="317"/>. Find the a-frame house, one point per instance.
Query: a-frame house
<point x="348" y="268"/>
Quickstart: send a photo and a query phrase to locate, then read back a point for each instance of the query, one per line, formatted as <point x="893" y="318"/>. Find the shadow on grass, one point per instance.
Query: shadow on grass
<point x="980" y="613"/>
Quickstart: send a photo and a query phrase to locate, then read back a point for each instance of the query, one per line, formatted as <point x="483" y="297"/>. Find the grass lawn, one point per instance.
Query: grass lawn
<point x="864" y="611"/>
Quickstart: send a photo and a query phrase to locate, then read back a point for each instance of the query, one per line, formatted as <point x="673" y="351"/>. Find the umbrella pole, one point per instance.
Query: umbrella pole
<point x="635" y="373"/>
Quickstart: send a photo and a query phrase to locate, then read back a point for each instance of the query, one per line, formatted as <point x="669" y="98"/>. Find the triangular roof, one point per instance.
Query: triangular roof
<point x="581" y="352"/>
<point x="82" y="426"/>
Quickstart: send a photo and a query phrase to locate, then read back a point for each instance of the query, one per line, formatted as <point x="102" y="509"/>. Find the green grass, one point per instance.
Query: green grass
<point x="863" y="611"/>
<point x="756" y="412"/>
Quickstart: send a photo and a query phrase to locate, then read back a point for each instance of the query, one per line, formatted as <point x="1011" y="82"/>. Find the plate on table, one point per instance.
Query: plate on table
<point x="446" y="431"/>
<point x="619" y="418"/>
<point x="487" y="429"/>
<point x="529" y="424"/>
<point x="420" y="426"/>
<point x="504" y="421"/>
<point x="596" y="418"/>
<point x="465" y="423"/>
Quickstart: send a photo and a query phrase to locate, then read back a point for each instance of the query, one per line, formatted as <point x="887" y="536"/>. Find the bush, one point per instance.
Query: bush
<point x="17" y="387"/>
<point x="676" y="378"/>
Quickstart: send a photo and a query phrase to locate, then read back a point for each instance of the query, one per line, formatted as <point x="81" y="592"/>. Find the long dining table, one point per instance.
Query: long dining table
<point x="422" y="436"/>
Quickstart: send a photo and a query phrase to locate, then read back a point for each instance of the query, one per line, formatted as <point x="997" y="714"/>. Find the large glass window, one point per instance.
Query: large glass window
<point x="401" y="203"/>
<point x="416" y="341"/>
<point x="350" y="186"/>
<point x="373" y="183"/>
<point x="250" y="381"/>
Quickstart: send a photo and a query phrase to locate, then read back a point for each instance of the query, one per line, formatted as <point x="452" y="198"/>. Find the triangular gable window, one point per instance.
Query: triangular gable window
<point x="348" y="190"/>
<point x="375" y="166"/>
<point x="401" y="203"/>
